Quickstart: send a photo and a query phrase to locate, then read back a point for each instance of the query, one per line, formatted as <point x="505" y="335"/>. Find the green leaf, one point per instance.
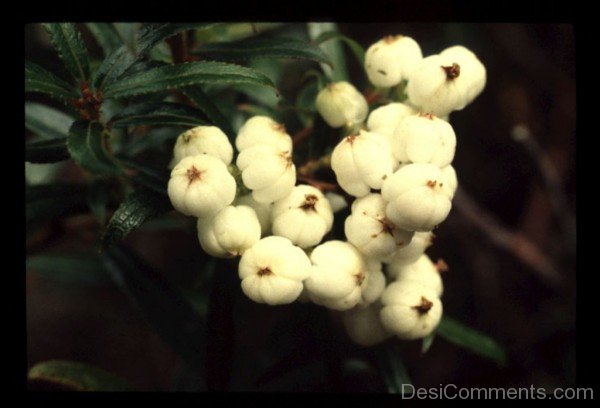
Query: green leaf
<point x="47" y="122"/>
<point x="84" y="269"/>
<point x="356" y="48"/>
<point x="183" y="75"/>
<point x="46" y="202"/>
<point x="154" y="139"/>
<point x="427" y="343"/>
<point x="71" y="48"/>
<point x="464" y="336"/>
<point x="163" y="306"/>
<point x="159" y="113"/>
<point x="37" y="79"/>
<point x="151" y="34"/>
<point x="262" y="47"/>
<point x="202" y="101"/>
<point x="106" y="35"/>
<point x="46" y="151"/>
<point x="152" y="178"/>
<point x="113" y="66"/>
<point x="392" y="367"/>
<point x="76" y="376"/>
<point x="138" y="207"/>
<point x="333" y="49"/>
<point x="86" y="147"/>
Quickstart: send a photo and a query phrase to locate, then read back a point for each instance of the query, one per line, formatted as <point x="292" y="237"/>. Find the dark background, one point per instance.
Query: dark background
<point x="510" y="251"/>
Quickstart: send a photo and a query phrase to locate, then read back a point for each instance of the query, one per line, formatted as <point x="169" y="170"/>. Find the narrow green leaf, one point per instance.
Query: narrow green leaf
<point x="138" y="207"/>
<point x="183" y="75"/>
<point x="154" y="139"/>
<point x="86" y="147"/>
<point x="392" y="367"/>
<point x="333" y="49"/>
<point x="76" y="376"/>
<point x="202" y="101"/>
<point x="46" y="122"/>
<point x="427" y="343"/>
<point x="113" y="66"/>
<point x="71" y="48"/>
<point x="46" y="202"/>
<point x="356" y="48"/>
<point x="47" y="151"/>
<point x="84" y="269"/>
<point x="151" y="34"/>
<point x="464" y="336"/>
<point x="106" y="35"/>
<point x="152" y="178"/>
<point x="159" y="113"/>
<point x="37" y="79"/>
<point x="163" y="306"/>
<point x="262" y="47"/>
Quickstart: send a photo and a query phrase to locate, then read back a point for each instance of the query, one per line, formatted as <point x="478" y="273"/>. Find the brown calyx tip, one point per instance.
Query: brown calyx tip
<point x="431" y="183"/>
<point x="310" y="200"/>
<point x="279" y="127"/>
<point x="264" y="271"/>
<point x="386" y="226"/>
<point x="360" y="278"/>
<point x="441" y="266"/>
<point x="452" y="71"/>
<point x="193" y="174"/>
<point x="351" y="138"/>
<point x="427" y="115"/>
<point x="388" y="39"/>
<point x="424" y="306"/>
<point x="187" y="137"/>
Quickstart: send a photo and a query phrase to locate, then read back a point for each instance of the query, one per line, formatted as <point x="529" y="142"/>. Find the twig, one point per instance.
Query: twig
<point x="312" y="166"/>
<point x="321" y="185"/>
<point x="551" y="178"/>
<point x="302" y="135"/>
<point x="513" y="242"/>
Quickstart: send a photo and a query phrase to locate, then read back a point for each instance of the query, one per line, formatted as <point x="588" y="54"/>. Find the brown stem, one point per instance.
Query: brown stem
<point x="321" y="185"/>
<point x="302" y="135"/>
<point x="514" y="242"/>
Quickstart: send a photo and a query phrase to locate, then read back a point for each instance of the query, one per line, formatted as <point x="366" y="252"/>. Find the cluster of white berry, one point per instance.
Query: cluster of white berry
<point x="398" y="168"/>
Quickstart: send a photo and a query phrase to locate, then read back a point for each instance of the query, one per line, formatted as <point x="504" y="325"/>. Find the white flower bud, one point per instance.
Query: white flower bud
<point x="268" y="171"/>
<point x="410" y="310"/>
<point x="232" y="231"/>
<point x="364" y="326"/>
<point x="201" y="186"/>
<point x="362" y="161"/>
<point x="203" y="140"/>
<point x="262" y="210"/>
<point x="470" y="66"/>
<point x="304" y="216"/>
<point x="385" y="119"/>
<point x="446" y="82"/>
<point x="369" y="230"/>
<point x="337" y="202"/>
<point x="392" y="59"/>
<point x="450" y="180"/>
<point x="272" y="271"/>
<point x="259" y="130"/>
<point x="422" y="271"/>
<point x="416" y="198"/>
<point x="340" y="104"/>
<point x="413" y="251"/>
<point x="424" y="138"/>
<point x="338" y="270"/>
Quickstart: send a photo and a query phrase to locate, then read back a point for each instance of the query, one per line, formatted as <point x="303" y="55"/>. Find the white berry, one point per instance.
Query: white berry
<point x="369" y="229"/>
<point x="268" y="171"/>
<point x="391" y="60"/>
<point x="424" y="138"/>
<point x="272" y="271"/>
<point x="410" y="310"/>
<point x="385" y="119"/>
<point x="201" y="186"/>
<point x="364" y="326"/>
<point x="304" y="216"/>
<point x="203" y="140"/>
<point x="413" y="251"/>
<point x="450" y="180"/>
<point x="362" y="161"/>
<point x="229" y="233"/>
<point x="422" y="271"/>
<point x="262" y="210"/>
<point x="416" y="198"/>
<point x="259" y="130"/>
<point x="340" y="104"/>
